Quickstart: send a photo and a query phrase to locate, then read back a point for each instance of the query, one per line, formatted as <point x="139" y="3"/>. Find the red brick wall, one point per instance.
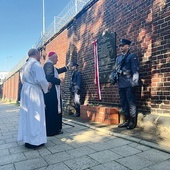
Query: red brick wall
<point x="11" y="88"/>
<point x="141" y="21"/>
<point x="147" y="23"/>
<point x="160" y="71"/>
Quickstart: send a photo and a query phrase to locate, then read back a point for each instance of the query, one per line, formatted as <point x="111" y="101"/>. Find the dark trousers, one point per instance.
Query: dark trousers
<point x="128" y="101"/>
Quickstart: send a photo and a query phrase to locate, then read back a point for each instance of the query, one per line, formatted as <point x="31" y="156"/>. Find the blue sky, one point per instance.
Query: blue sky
<point x="21" y="25"/>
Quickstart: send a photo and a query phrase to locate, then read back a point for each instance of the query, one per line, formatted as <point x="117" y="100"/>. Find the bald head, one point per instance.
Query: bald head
<point x="34" y="53"/>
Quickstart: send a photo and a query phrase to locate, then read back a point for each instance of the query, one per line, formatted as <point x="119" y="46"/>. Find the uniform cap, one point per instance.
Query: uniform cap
<point x="124" y="42"/>
<point x="74" y="64"/>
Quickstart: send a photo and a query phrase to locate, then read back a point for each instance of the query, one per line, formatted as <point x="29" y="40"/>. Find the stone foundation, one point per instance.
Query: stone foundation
<point x="101" y="114"/>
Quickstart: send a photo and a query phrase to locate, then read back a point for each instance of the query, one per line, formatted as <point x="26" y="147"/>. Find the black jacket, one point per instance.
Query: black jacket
<point x="76" y="81"/>
<point x="129" y="67"/>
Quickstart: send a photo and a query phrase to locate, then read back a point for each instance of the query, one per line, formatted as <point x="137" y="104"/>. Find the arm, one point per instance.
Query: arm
<point x="135" y="69"/>
<point x="40" y="77"/>
<point x="61" y="70"/>
<point x="49" y="72"/>
<point x="134" y="63"/>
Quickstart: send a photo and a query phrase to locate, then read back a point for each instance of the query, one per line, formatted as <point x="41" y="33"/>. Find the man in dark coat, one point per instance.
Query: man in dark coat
<point x="75" y="87"/>
<point x="127" y="82"/>
<point x="53" y="103"/>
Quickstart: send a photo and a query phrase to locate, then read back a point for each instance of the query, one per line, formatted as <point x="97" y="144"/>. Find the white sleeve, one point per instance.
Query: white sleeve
<point x="40" y="77"/>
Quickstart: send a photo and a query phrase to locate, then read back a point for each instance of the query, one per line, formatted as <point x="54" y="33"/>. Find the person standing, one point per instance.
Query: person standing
<point x="32" y="128"/>
<point x="53" y="102"/>
<point x="75" y="87"/>
<point x="127" y="82"/>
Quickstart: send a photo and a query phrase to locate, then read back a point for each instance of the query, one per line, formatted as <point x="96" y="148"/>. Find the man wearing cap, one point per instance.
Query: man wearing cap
<point x="32" y="129"/>
<point x="127" y="82"/>
<point x="53" y="103"/>
<point x="75" y="87"/>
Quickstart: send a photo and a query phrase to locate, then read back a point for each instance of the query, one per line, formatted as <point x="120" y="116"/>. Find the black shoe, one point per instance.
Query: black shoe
<point x="30" y="146"/>
<point x="125" y="124"/>
<point x="70" y="113"/>
<point x="77" y="115"/>
<point x="60" y="132"/>
<point x="41" y="145"/>
<point x="131" y="125"/>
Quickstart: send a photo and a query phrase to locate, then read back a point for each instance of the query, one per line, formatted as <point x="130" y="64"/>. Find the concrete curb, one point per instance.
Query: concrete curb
<point x="123" y="136"/>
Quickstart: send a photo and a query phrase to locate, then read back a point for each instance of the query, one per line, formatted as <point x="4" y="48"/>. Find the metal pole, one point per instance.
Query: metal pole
<point x="76" y="6"/>
<point x="55" y="18"/>
<point x="43" y="22"/>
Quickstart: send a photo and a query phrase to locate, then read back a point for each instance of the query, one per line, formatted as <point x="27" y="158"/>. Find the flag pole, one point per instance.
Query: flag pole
<point x="43" y="22"/>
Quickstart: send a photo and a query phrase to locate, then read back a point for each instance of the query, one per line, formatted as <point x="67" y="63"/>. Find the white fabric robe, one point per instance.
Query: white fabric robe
<point x="32" y="128"/>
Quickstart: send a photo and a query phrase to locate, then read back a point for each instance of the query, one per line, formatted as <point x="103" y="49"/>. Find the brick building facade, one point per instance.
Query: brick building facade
<point x="145" y="22"/>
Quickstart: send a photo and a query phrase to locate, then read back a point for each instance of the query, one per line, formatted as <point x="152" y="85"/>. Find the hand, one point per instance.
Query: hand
<point x="49" y="86"/>
<point x="61" y="79"/>
<point x="68" y="66"/>
<point x="135" y="78"/>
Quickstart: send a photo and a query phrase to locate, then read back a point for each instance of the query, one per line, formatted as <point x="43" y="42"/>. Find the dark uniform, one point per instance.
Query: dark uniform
<point x="126" y="83"/>
<point x="75" y="88"/>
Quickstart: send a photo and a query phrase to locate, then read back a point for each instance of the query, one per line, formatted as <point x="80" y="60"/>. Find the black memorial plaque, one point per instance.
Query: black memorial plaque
<point x="107" y="55"/>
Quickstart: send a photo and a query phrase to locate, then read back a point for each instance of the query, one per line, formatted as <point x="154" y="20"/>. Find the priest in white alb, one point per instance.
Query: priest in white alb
<point x="32" y="127"/>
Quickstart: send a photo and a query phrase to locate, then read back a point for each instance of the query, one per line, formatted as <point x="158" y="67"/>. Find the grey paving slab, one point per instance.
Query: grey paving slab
<point x="76" y="144"/>
<point x="4" y="137"/>
<point x="12" y="159"/>
<point x="76" y="129"/>
<point x="18" y="149"/>
<point x="154" y="155"/>
<point x="44" y="151"/>
<point x="153" y="145"/>
<point x="57" y="141"/>
<point x="4" y="152"/>
<point x="105" y="156"/>
<point x="134" y="162"/>
<point x="8" y="167"/>
<point x="117" y="142"/>
<point x="99" y="146"/>
<point x="2" y="141"/>
<point x="57" y="157"/>
<point x="81" y="163"/>
<point x="59" y="148"/>
<point x="139" y="146"/>
<point x="81" y="151"/>
<point x="58" y="166"/>
<point x="49" y="143"/>
<point x="30" y="164"/>
<point x="165" y="165"/>
<point x="109" y="166"/>
<point x="126" y="150"/>
<point x="10" y="140"/>
<point x="31" y="154"/>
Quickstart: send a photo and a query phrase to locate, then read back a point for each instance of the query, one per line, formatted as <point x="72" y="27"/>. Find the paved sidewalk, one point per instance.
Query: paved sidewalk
<point x="80" y="147"/>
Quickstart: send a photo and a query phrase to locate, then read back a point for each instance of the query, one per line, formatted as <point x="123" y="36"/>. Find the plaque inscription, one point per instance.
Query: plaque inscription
<point x="107" y="55"/>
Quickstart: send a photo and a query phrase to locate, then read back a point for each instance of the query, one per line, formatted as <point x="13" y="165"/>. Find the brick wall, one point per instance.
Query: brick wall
<point x="160" y="70"/>
<point x="11" y="88"/>
<point x="146" y="22"/>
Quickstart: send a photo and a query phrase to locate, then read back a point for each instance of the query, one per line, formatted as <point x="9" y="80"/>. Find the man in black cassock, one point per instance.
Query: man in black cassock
<point x="53" y="102"/>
